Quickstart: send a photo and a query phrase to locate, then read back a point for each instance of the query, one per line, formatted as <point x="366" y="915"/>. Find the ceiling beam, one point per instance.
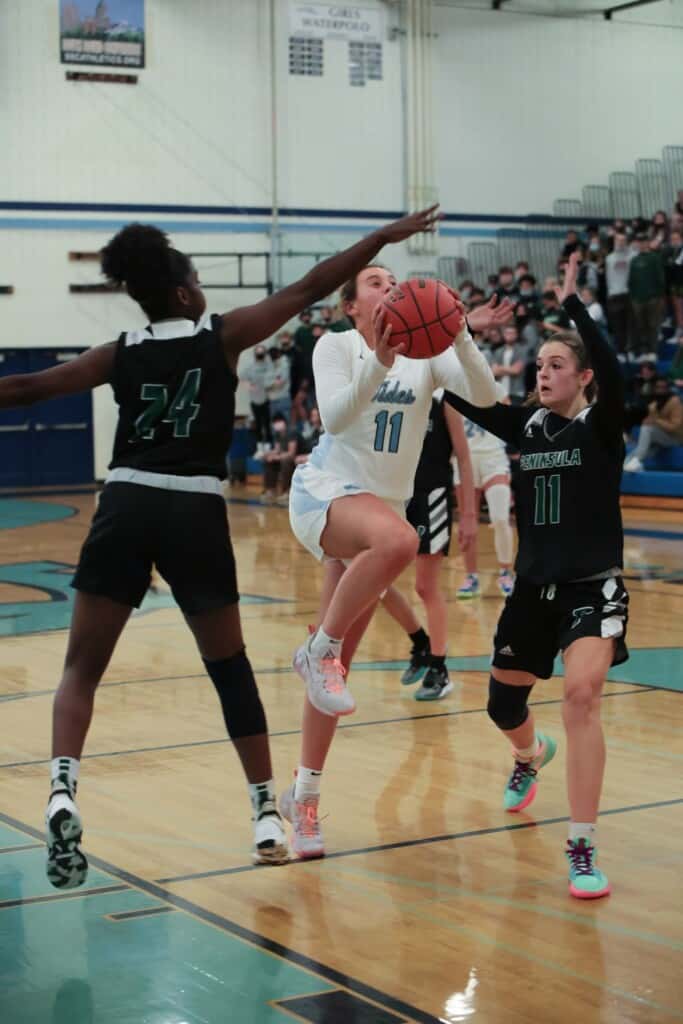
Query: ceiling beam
<point x="609" y="11"/>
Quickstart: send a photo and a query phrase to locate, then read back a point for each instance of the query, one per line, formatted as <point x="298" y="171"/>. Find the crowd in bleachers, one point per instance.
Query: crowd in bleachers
<point x="631" y="281"/>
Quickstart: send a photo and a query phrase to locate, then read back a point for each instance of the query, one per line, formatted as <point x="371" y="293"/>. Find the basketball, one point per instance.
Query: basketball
<point x="424" y="315"/>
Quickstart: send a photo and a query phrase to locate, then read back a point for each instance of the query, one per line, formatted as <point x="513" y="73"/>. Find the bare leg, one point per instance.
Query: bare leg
<point x="317" y="729"/>
<point x="96" y="625"/>
<point x="587" y="662"/>
<point x="431" y="594"/>
<point x="400" y="610"/>
<point x="470" y="555"/>
<point x="365" y="529"/>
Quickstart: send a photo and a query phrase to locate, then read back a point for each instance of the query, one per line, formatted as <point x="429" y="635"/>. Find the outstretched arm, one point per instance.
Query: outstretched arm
<point x="248" y="325"/>
<point x="88" y="371"/>
<point x="505" y="421"/>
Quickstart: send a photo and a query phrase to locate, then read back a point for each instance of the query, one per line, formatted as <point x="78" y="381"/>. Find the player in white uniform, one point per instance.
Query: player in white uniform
<point x="347" y="504"/>
<point x="491" y="472"/>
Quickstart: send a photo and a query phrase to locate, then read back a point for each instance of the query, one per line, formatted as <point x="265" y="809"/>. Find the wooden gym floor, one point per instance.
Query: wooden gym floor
<point x="432" y="905"/>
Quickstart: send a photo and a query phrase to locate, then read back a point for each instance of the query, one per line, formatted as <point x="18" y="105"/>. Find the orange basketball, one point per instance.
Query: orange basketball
<point x="424" y="315"/>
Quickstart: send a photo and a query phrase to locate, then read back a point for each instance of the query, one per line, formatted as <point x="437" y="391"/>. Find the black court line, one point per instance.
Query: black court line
<point x="641" y="688"/>
<point x="125" y="915"/>
<point x="20" y="849"/>
<point x="59" y="896"/>
<point x="330" y="974"/>
<point x="429" y="840"/>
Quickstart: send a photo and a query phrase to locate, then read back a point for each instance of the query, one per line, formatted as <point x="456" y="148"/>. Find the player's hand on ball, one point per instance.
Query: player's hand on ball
<point x="384" y="350"/>
<point x="491" y="314"/>
<point x="413" y="224"/>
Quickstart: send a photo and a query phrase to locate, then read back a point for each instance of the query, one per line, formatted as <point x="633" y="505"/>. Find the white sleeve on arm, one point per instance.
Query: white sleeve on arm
<point x="341" y="398"/>
<point x="464" y="370"/>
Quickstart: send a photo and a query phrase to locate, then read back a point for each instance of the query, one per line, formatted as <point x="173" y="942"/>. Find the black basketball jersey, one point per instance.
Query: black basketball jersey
<point x="434" y="468"/>
<point x="176" y="397"/>
<point x="567" y="497"/>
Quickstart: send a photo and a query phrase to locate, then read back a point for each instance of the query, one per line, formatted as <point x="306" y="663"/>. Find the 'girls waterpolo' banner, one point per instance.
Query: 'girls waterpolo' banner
<point x="110" y="32"/>
<point x="336" y="21"/>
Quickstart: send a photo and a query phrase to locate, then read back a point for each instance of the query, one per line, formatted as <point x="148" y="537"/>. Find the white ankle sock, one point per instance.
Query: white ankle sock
<point x="64" y="772"/>
<point x="321" y="644"/>
<point x="259" y="792"/>
<point x="527" y="753"/>
<point x="307" y="783"/>
<point x="583" y="830"/>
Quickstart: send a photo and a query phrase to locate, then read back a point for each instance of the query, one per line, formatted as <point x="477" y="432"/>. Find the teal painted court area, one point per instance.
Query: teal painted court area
<point x="66" y="961"/>
<point x="54" y="579"/>
<point x="15" y="513"/>
<point x="661" y="667"/>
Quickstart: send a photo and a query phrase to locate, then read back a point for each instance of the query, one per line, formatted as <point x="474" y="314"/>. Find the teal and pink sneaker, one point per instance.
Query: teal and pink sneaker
<point x="522" y="785"/>
<point x="470" y="587"/>
<point x="586" y="881"/>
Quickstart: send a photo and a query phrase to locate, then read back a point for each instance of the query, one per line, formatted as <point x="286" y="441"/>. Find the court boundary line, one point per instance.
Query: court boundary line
<point x="59" y="897"/>
<point x="640" y="688"/>
<point x="270" y="946"/>
<point x="426" y="841"/>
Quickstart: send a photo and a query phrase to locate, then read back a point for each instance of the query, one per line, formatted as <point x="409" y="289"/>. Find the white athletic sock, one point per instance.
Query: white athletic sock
<point x="307" y="783"/>
<point x="583" y="830"/>
<point x="259" y="792"/>
<point x="64" y="772"/>
<point x="527" y="754"/>
<point x="322" y="645"/>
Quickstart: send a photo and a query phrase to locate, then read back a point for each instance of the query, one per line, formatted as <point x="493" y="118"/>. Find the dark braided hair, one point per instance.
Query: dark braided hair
<point x="141" y="257"/>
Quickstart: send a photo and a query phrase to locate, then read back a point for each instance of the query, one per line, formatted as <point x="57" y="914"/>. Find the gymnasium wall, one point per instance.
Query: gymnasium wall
<point x="530" y="109"/>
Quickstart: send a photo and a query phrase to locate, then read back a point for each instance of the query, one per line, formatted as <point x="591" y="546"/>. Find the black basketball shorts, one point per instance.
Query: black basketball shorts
<point x="430" y="513"/>
<point x="183" y="533"/>
<point x="538" y="622"/>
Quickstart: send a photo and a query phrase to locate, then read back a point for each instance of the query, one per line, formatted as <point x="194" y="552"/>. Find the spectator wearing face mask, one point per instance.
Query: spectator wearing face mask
<point x="618" y="302"/>
<point x="571" y="243"/>
<point x="528" y="291"/>
<point x="507" y="286"/>
<point x="256" y="374"/>
<point x="279" y="462"/>
<point x="661" y="428"/>
<point x="477" y="297"/>
<point x="311" y="432"/>
<point x="278" y="383"/>
<point x="590" y="269"/>
<point x="508" y="366"/>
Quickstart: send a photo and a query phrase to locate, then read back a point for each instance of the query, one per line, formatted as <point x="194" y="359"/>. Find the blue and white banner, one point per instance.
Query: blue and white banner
<point x="336" y="21"/>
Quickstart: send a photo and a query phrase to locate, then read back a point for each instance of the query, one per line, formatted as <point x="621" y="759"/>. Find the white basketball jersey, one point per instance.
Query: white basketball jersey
<point x="377" y="446"/>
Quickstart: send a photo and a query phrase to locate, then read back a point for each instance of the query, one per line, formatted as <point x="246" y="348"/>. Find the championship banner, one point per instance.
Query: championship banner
<point x="111" y="32"/>
<point x="336" y="21"/>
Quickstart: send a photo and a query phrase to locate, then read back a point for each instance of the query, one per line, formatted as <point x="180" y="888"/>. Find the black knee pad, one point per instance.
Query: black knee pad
<point x="236" y="687"/>
<point x="507" y="705"/>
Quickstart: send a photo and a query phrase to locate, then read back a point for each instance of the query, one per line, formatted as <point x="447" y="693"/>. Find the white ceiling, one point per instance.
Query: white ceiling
<point x="658" y="12"/>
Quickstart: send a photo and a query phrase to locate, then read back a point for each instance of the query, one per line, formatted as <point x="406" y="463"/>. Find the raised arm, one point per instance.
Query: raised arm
<point x="609" y="406"/>
<point x="470" y="375"/>
<point x="83" y="373"/>
<point x="248" y="325"/>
